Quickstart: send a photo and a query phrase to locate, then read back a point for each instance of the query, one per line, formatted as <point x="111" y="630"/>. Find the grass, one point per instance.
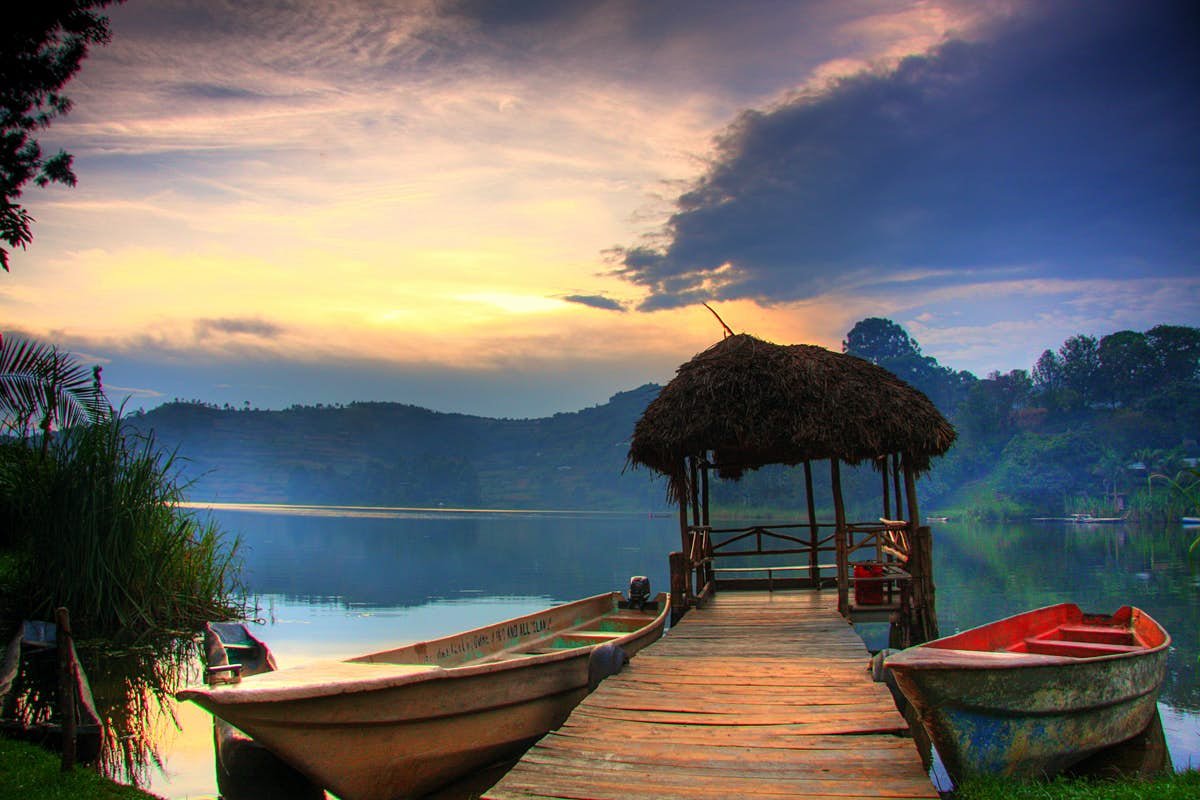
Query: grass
<point x="1181" y="786"/>
<point x="27" y="770"/>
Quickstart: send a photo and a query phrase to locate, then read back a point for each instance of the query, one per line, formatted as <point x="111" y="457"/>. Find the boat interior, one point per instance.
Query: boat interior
<point x="607" y="620"/>
<point x="1063" y="630"/>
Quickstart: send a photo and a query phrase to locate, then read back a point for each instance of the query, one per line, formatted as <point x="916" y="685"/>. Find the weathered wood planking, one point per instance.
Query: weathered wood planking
<point x="758" y="695"/>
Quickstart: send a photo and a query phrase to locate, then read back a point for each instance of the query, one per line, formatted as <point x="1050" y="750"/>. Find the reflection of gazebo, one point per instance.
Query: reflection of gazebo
<point x="745" y="403"/>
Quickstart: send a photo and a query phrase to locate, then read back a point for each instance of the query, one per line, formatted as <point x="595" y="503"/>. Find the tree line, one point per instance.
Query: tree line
<point x="1084" y="429"/>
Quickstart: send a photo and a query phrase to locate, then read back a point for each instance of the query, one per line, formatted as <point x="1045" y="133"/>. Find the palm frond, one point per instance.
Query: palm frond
<point x="39" y="382"/>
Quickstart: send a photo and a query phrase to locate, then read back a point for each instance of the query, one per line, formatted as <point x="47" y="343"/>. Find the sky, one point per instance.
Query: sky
<point x="514" y="208"/>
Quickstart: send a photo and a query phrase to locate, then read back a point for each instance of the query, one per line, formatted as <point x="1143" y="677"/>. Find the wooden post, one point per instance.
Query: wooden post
<point x="683" y="509"/>
<point x="839" y="513"/>
<point x="679" y="591"/>
<point x="695" y="490"/>
<point x="704" y="492"/>
<point x="66" y="686"/>
<point x="896" y="483"/>
<point x="814" y="533"/>
<point x="925" y="626"/>
<point x="887" y="499"/>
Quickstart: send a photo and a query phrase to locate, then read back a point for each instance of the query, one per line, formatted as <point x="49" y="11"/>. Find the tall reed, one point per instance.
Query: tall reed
<point x="96" y="527"/>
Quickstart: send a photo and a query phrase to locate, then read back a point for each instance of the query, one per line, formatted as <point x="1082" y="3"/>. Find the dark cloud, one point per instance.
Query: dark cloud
<point x="212" y="91"/>
<point x="1066" y="140"/>
<point x="594" y="301"/>
<point x="262" y="329"/>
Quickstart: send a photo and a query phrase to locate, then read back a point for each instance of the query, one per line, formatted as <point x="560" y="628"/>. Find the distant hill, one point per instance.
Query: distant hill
<point x="401" y="455"/>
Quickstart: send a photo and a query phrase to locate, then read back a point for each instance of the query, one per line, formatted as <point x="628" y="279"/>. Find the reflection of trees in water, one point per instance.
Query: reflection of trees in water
<point x="987" y="571"/>
<point x="133" y="688"/>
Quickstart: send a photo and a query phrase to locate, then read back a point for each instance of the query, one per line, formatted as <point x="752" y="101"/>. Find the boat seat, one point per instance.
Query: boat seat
<point x="1063" y="647"/>
<point x="592" y="636"/>
<point x="1101" y="634"/>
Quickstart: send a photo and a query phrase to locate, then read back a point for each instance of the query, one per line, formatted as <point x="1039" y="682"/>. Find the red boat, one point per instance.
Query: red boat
<point x="1032" y="694"/>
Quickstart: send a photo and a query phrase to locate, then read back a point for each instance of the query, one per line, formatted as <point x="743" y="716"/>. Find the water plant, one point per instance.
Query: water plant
<point x="98" y="528"/>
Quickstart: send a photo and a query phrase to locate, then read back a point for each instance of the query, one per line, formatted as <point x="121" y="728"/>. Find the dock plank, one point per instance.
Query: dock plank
<point x="757" y="695"/>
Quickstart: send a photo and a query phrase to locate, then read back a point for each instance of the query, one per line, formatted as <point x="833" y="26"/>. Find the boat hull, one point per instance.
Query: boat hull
<point x="1028" y="715"/>
<point x="397" y="734"/>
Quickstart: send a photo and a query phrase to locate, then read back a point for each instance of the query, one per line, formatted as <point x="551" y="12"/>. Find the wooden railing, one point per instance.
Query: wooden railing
<point x="882" y="549"/>
<point x="882" y="580"/>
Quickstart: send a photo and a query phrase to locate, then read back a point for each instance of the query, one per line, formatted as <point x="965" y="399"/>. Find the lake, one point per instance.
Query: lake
<point x="333" y="582"/>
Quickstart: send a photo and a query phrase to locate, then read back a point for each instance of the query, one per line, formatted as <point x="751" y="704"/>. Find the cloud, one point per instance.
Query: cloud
<point x="206" y="328"/>
<point x="1065" y="138"/>
<point x="595" y="301"/>
<point x="213" y="91"/>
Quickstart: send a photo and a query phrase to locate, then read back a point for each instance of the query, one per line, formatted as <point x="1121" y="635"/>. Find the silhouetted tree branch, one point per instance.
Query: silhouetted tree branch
<point x="42" y="45"/>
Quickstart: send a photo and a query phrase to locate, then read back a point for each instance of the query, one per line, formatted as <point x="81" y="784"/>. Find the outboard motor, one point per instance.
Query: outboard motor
<point x="639" y="591"/>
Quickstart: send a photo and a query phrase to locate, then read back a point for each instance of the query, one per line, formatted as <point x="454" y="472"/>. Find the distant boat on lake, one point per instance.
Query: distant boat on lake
<point x="402" y="722"/>
<point x="1029" y="695"/>
<point x="1083" y="519"/>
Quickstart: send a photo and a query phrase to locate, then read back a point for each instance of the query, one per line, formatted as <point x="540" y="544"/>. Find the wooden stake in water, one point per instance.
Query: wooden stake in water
<point x="66" y="686"/>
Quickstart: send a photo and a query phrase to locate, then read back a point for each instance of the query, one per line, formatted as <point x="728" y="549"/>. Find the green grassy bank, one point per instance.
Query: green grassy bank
<point x="1181" y="786"/>
<point x="29" y="771"/>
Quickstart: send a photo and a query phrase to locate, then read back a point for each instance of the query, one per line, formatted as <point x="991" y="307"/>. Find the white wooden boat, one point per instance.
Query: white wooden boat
<point x="399" y="723"/>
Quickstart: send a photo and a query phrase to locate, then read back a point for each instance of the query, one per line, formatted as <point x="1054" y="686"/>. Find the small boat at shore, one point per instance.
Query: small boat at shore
<point x="1029" y="695"/>
<point x="401" y="722"/>
<point x="246" y="770"/>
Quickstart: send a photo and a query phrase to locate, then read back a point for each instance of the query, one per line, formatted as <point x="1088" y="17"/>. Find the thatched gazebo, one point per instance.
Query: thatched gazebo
<point x="745" y="403"/>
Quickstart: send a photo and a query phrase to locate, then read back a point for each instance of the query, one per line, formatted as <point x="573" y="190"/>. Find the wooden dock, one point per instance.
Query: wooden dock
<point x="757" y="695"/>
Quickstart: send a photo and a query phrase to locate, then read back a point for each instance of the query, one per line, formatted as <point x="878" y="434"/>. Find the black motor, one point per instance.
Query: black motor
<point x="639" y="591"/>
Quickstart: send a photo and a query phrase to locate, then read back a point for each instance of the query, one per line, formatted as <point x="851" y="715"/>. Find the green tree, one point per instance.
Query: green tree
<point x="989" y="411"/>
<point x="1127" y="366"/>
<point x="880" y="340"/>
<point x="42" y="45"/>
<point x="885" y="343"/>
<point x="1176" y="351"/>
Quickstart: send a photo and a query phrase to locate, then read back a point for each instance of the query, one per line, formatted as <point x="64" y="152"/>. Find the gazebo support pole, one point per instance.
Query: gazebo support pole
<point x="695" y="489"/>
<point x="839" y="514"/>
<point x="683" y="512"/>
<point x="704" y="493"/>
<point x="896" y="483"/>
<point x="921" y="565"/>
<point x="887" y="499"/>
<point x="814" y="533"/>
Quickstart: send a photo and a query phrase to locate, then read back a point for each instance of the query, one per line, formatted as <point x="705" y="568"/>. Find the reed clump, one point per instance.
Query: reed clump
<point x="93" y="523"/>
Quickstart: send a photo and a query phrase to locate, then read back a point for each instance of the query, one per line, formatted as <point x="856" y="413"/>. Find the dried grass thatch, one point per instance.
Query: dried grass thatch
<point x="750" y="403"/>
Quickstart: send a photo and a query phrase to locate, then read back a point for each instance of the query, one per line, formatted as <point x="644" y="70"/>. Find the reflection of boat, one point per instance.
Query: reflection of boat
<point x="1032" y="694"/>
<point x="399" y="723"/>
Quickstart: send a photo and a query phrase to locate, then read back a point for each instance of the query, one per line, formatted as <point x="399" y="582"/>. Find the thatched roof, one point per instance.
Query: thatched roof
<point x="752" y="403"/>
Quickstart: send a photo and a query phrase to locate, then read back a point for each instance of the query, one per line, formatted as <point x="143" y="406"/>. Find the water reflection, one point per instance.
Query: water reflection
<point x="334" y="583"/>
<point x="985" y="572"/>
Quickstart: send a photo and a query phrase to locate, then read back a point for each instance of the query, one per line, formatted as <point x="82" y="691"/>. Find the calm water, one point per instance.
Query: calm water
<point x="335" y="582"/>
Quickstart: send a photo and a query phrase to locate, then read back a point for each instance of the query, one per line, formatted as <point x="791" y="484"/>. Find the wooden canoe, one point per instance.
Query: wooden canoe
<point x="399" y="723"/>
<point x="1029" y="695"/>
